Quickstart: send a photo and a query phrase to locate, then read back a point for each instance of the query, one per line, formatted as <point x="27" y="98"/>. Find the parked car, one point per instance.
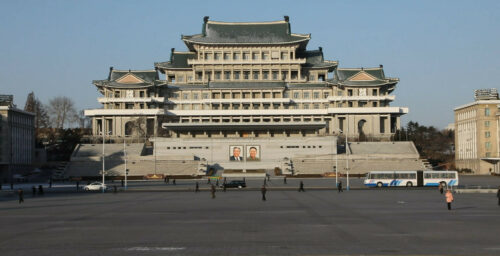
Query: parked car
<point x="235" y="184"/>
<point x="95" y="186"/>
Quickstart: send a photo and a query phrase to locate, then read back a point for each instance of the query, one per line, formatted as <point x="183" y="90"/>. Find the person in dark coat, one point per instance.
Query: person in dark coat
<point x="21" y="195"/>
<point x="284" y="180"/>
<point x="498" y="195"/>
<point x="40" y="190"/>
<point x="197" y="187"/>
<point x="33" y="190"/>
<point x="217" y="182"/>
<point x="168" y="180"/>
<point x="440" y="187"/>
<point x="339" y="186"/>
<point x="301" y="187"/>
<point x="263" y="190"/>
<point x="212" y="190"/>
<point x="173" y="182"/>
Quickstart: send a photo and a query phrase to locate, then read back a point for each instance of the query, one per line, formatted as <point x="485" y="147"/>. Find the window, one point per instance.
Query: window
<point x="374" y="103"/>
<point x="296" y="95"/>
<point x="374" y="92"/>
<point x="275" y="75"/>
<point x="141" y="94"/>
<point x="246" y="55"/>
<point x="195" y="96"/>
<point x="286" y="95"/>
<point x="316" y="106"/>
<point x="311" y="78"/>
<point x="255" y="75"/>
<point x="246" y="75"/>
<point x="487" y="134"/>
<point x="255" y="56"/>
<point x="487" y="123"/>
<point x="185" y="96"/>
<point x="236" y="75"/>
<point x="306" y="106"/>
<point x="316" y="95"/>
<point x="217" y="75"/>
<point x="265" y="55"/>
<point x="349" y="104"/>
<point x="265" y="75"/>
<point x="487" y="112"/>
<point x="349" y="92"/>
<point x="326" y="94"/>
<point x="226" y="56"/>
<point x="236" y="56"/>
<point x="306" y="95"/>
<point x="487" y="145"/>
<point x="227" y="75"/>
<point x="205" y="95"/>
<point x="217" y="56"/>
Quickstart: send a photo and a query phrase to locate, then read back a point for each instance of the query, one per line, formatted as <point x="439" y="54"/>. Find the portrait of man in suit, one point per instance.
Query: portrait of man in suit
<point x="253" y="153"/>
<point x="235" y="153"/>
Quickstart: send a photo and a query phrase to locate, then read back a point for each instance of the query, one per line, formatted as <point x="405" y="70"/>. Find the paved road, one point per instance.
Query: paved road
<point x="275" y="182"/>
<point x="369" y="222"/>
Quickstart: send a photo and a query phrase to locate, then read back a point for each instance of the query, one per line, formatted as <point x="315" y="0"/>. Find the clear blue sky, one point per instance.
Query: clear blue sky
<point x="441" y="50"/>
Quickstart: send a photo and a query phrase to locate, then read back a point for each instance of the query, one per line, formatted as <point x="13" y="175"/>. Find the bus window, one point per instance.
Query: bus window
<point x="427" y="175"/>
<point x="451" y="175"/>
<point x="435" y="175"/>
<point x="412" y="176"/>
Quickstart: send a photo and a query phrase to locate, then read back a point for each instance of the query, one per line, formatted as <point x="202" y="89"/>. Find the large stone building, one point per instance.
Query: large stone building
<point x="247" y="90"/>
<point x="477" y="133"/>
<point x="17" y="139"/>
<point x="248" y="80"/>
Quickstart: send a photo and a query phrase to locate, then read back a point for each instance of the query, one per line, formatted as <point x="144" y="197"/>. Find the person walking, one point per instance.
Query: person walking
<point x="40" y="190"/>
<point x="168" y="179"/>
<point x="284" y="180"/>
<point x="173" y="182"/>
<point x="217" y="182"/>
<point x="197" y="187"/>
<point x="498" y="195"/>
<point x="33" y="191"/>
<point x="165" y="180"/>
<point x="301" y="187"/>
<point x="449" y="198"/>
<point x="224" y="187"/>
<point x="440" y="187"/>
<point x="21" y="195"/>
<point x="339" y="187"/>
<point x="263" y="190"/>
<point x="212" y="190"/>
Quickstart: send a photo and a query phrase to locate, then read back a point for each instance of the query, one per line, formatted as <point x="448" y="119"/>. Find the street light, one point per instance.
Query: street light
<point x="103" y="154"/>
<point x="125" y="160"/>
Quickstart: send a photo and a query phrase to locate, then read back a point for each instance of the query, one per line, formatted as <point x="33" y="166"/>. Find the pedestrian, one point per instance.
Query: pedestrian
<point x="114" y="189"/>
<point x="284" y="180"/>
<point x="168" y="179"/>
<point x="264" y="181"/>
<point x="224" y="187"/>
<point x="263" y="190"/>
<point x="33" y="191"/>
<point x="123" y="183"/>
<point x="21" y="195"/>
<point x="449" y="198"/>
<point x="165" y="179"/>
<point x="339" y="187"/>
<point x="440" y="187"/>
<point x="77" y="185"/>
<point x="212" y="190"/>
<point x="217" y="182"/>
<point x="40" y="190"/>
<point x="173" y="182"/>
<point x="208" y="180"/>
<point x="268" y="177"/>
<point x="301" y="187"/>
<point x="197" y="187"/>
<point x="498" y="195"/>
<point x="224" y="180"/>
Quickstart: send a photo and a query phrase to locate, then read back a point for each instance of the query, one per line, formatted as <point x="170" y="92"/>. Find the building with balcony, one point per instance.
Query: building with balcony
<point x="477" y="133"/>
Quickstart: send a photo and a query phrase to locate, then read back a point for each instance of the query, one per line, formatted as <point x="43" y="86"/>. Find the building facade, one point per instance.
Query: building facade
<point x="477" y="133"/>
<point x="253" y="79"/>
<point x="17" y="138"/>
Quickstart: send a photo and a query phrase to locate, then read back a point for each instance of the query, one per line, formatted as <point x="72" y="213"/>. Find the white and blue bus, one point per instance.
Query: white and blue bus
<point x="425" y="178"/>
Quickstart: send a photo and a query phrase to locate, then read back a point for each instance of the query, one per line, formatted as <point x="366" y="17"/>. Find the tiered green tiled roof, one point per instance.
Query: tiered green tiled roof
<point x="275" y="32"/>
<point x="178" y="60"/>
<point x="145" y="78"/>
<point x="372" y="77"/>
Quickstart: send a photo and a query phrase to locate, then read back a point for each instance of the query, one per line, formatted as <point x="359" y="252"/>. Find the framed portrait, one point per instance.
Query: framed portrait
<point x="253" y="153"/>
<point x="236" y="153"/>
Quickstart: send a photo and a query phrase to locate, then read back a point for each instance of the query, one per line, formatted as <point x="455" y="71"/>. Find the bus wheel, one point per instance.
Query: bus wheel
<point x="379" y="185"/>
<point x="409" y="184"/>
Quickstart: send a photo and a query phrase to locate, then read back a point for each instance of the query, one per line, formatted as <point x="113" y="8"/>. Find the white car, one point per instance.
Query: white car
<point x="95" y="186"/>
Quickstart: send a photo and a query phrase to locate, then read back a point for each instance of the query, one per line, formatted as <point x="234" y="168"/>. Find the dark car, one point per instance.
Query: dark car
<point x="235" y="184"/>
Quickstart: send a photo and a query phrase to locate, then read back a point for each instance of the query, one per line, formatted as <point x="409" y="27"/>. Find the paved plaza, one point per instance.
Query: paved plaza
<point x="238" y="222"/>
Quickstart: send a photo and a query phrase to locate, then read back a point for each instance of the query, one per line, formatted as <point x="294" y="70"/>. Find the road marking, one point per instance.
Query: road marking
<point x="155" y="248"/>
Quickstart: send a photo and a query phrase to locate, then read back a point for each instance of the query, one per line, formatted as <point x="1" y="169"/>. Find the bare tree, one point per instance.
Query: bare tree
<point x="62" y="111"/>
<point x="34" y="106"/>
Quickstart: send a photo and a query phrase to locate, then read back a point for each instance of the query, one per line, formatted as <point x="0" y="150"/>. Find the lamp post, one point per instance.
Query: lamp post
<point x="347" y="153"/>
<point x="103" y="154"/>
<point x="125" y="159"/>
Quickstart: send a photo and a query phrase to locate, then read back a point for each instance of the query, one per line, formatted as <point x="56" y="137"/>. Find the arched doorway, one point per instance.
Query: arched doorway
<point x="129" y="128"/>
<point x="361" y="132"/>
